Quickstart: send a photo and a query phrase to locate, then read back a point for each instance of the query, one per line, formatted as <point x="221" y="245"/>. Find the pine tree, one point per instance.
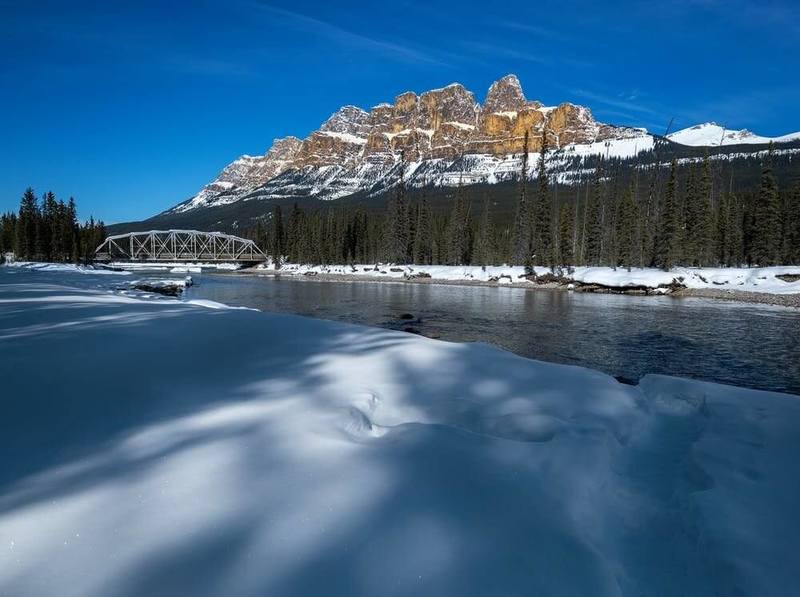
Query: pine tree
<point x="423" y="242"/>
<point x="723" y="240"/>
<point x="594" y="220"/>
<point x="766" y="248"/>
<point x="483" y="244"/>
<point x="792" y="251"/>
<point x="397" y="233"/>
<point x="27" y="226"/>
<point x="704" y="229"/>
<point x="71" y="230"/>
<point x="668" y="230"/>
<point x="543" y="233"/>
<point x="293" y="234"/>
<point x="566" y="223"/>
<point x="458" y="230"/>
<point x="522" y="230"/>
<point x="699" y="240"/>
<point x="625" y="232"/>
<point x="278" y="248"/>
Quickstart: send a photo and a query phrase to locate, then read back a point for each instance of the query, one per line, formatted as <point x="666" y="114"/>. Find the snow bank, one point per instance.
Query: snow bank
<point x="60" y="267"/>
<point x="158" y="447"/>
<point x="762" y="279"/>
<point x="176" y="267"/>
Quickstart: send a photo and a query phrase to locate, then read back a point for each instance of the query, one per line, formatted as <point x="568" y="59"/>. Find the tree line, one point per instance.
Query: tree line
<point x="47" y="229"/>
<point x="656" y="218"/>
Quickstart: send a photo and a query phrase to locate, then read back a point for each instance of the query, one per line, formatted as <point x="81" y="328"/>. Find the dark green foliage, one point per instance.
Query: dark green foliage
<point x="458" y="231"/>
<point x="626" y="230"/>
<point x="484" y="249"/>
<point x="566" y="234"/>
<point x="766" y="239"/>
<point x="422" y="252"/>
<point x="542" y="244"/>
<point x="668" y="231"/>
<point x="521" y="249"/>
<point x="397" y="233"/>
<point x="593" y="240"/>
<point x="278" y="237"/>
<point x="792" y="228"/>
<point x="49" y="232"/>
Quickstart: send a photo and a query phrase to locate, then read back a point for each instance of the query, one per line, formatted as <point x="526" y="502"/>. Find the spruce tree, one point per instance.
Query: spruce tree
<point x="668" y="230"/>
<point x="522" y="230"/>
<point x="723" y="239"/>
<point x="27" y="224"/>
<point x="458" y="241"/>
<point x="543" y="233"/>
<point x="423" y="249"/>
<point x="483" y="244"/>
<point x="594" y="220"/>
<point x="566" y="237"/>
<point x="766" y="248"/>
<point x="792" y="253"/>
<point x="278" y="248"/>
<point x="397" y="233"/>
<point x="704" y="229"/>
<point x="625" y="232"/>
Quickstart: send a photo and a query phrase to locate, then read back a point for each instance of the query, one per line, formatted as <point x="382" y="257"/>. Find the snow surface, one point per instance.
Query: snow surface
<point x="710" y="134"/>
<point x="310" y="457"/>
<point x="757" y="279"/>
<point x="60" y="267"/>
<point x="174" y="267"/>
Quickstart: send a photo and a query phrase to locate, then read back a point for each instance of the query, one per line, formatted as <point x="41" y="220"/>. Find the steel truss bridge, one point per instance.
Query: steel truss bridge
<point x="178" y="245"/>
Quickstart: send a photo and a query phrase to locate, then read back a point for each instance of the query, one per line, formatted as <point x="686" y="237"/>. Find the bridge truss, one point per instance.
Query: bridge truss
<point x="178" y="245"/>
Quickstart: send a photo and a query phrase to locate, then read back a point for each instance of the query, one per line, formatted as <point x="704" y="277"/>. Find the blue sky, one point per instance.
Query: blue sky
<point x="132" y="107"/>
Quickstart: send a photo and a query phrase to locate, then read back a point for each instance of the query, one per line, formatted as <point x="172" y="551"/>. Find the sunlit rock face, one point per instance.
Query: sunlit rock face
<point x="355" y="150"/>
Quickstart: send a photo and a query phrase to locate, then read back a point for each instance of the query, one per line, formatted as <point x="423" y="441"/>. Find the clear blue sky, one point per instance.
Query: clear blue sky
<point x="132" y="107"/>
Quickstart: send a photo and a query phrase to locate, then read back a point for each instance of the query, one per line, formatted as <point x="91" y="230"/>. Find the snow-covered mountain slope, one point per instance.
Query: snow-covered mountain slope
<point x="710" y="134"/>
<point x="444" y="137"/>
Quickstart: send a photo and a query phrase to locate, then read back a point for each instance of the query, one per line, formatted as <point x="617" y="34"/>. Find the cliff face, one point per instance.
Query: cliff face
<point x="354" y="149"/>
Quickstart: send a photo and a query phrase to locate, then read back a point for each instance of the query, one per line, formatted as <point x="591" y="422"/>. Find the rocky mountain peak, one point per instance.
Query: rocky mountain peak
<point x="355" y="149"/>
<point x="350" y="120"/>
<point x="505" y="95"/>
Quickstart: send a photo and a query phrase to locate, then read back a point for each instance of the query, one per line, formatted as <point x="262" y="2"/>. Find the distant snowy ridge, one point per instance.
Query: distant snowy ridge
<point x="710" y="134"/>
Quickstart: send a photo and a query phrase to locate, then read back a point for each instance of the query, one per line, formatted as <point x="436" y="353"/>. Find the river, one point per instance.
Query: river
<point x="748" y="345"/>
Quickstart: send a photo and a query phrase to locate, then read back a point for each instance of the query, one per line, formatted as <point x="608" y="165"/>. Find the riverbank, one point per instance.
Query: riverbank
<point x="741" y="296"/>
<point x="772" y="286"/>
<point x="344" y="456"/>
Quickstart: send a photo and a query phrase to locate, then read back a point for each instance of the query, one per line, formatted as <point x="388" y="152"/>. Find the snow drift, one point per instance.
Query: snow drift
<point x="164" y="448"/>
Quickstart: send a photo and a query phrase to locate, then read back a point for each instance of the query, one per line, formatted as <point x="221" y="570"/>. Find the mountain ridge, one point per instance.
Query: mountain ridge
<point x="440" y="137"/>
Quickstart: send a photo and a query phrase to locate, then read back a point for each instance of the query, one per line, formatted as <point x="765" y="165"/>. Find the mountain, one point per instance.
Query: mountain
<point x="710" y="134"/>
<point x="443" y="138"/>
<point x="357" y="150"/>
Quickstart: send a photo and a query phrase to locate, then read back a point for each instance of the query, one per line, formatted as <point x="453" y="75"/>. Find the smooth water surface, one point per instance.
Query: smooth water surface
<point x="626" y="336"/>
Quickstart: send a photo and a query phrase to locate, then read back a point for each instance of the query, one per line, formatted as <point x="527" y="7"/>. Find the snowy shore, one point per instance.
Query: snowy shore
<point x="766" y="280"/>
<point x="158" y="447"/>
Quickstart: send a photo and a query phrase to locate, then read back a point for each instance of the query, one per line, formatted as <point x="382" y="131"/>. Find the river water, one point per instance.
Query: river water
<point x="747" y="345"/>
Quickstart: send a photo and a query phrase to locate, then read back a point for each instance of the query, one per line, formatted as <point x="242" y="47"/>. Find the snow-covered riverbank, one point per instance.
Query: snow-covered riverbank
<point x="762" y="280"/>
<point x="160" y="447"/>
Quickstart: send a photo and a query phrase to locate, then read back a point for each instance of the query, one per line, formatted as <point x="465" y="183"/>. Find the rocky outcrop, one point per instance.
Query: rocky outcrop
<point x="354" y="149"/>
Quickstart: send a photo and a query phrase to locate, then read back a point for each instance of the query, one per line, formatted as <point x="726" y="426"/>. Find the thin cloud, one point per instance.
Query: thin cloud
<point x="504" y="52"/>
<point x="615" y="102"/>
<point x="347" y="38"/>
<point x="538" y="31"/>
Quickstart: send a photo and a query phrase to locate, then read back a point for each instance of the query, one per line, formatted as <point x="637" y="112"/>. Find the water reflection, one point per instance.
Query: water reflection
<point x="625" y="336"/>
